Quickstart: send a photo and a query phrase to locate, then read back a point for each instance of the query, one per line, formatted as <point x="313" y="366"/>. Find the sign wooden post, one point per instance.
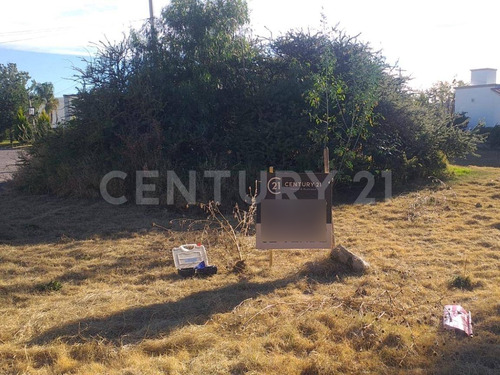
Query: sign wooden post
<point x="271" y="170"/>
<point x="326" y="160"/>
<point x="326" y="167"/>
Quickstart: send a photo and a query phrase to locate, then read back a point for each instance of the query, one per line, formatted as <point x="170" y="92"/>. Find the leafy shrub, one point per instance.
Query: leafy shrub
<point x="197" y="93"/>
<point x="494" y="137"/>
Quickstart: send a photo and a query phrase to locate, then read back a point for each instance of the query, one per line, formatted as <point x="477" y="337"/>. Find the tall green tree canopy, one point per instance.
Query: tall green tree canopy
<point x="43" y="95"/>
<point x="13" y="94"/>
<point x="197" y="91"/>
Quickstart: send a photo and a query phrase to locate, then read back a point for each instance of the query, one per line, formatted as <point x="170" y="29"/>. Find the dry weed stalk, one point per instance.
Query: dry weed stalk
<point x="246" y="219"/>
<point x="215" y="214"/>
<point x="218" y="225"/>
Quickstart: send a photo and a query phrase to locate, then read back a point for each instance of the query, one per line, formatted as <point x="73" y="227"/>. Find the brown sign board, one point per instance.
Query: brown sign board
<point x="295" y="212"/>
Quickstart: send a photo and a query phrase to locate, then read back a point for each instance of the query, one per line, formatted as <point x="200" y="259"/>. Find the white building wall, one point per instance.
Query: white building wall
<point x="64" y="111"/>
<point x="57" y="114"/>
<point x="481" y="103"/>
<point x="483" y="76"/>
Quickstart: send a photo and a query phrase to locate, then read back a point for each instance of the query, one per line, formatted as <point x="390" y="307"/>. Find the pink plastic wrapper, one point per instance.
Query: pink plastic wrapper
<point x="456" y="317"/>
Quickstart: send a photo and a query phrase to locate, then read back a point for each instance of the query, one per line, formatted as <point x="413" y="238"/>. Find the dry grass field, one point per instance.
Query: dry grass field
<point x="88" y="288"/>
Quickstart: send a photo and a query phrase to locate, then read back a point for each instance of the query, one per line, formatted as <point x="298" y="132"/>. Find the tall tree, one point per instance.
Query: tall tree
<point x="442" y="95"/>
<point x="44" y="96"/>
<point x="13" y="95"/>
<point x="201" y="94"/>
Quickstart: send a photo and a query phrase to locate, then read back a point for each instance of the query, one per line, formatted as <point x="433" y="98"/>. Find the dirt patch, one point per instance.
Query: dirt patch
<point x="8" y="160"/>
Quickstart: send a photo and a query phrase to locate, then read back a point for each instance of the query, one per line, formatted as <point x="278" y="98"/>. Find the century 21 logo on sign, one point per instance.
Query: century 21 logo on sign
<point x="274" y="185"/>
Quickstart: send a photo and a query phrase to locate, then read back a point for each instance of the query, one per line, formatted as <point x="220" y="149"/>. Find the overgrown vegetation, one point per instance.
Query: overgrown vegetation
<point x="493" y="136"/>
<point x="195" y="91"/>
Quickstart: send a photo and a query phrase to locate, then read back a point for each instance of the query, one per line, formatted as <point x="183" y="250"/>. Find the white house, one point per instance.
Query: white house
<point x="481" y="100"/>
<point x="64" y="111"/>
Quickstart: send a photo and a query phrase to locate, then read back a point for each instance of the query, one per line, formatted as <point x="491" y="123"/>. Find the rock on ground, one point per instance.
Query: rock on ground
<point x="356" y="263"/>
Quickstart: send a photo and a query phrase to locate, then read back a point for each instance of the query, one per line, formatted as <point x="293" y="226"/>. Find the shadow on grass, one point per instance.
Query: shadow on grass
<point x="42" y="219"/>
<point x="128" y="266"/>
<point x="488" y="157"/>
<point x="145" y="322"/>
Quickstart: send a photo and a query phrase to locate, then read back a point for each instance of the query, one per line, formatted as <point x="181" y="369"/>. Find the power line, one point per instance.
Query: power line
<point x="21" y="40"/>
<point x="46" y="32"/>
<point x="40" y="34"/>
<point x="52" y="29"/>
<point x="69" y="87"/>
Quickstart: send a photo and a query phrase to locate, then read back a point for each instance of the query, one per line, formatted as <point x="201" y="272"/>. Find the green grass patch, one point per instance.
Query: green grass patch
<point x="464" y="283"/>
<point x="6" y="143"/>
<point x="51" y="286"/>
<point x="458" y="171"/>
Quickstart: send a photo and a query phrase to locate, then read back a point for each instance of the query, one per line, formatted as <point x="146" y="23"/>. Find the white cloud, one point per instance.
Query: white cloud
<point x="432" y="39"/>
<point x="62" y="26"/>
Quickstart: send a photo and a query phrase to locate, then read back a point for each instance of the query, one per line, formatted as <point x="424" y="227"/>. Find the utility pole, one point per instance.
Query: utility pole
<point x="152" y="29"/>
<point x="151" y="16"/>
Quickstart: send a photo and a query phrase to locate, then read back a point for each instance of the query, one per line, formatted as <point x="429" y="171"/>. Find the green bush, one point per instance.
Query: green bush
<point x="197" y="93"/>
<point x="494" y="137"/>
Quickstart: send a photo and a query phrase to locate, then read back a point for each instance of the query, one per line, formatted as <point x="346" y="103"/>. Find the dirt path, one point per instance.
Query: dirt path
<point x="8" y="159"/>
<point x="487" y="158"/>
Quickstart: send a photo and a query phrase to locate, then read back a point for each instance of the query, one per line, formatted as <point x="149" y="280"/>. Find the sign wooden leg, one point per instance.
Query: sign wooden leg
<point x="326" y="160"/>
<point x="326" y="169"/>
<point x="333" y="234"/>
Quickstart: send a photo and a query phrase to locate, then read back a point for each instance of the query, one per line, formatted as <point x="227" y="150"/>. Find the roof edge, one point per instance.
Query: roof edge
<point x="492" y="85"/>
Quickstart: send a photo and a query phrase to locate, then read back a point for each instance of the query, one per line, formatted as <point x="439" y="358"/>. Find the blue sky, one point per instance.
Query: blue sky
<point x="46" y="67"/>
<point x="432" y="40"/>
